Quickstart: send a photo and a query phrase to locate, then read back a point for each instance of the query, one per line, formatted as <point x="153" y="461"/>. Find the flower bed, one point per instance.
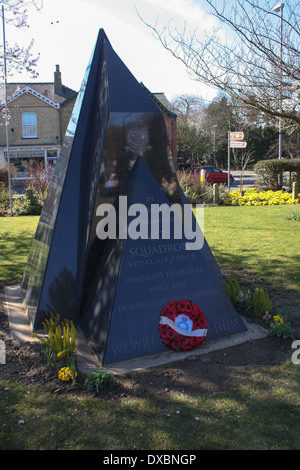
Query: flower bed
<point x="252" y="197"/>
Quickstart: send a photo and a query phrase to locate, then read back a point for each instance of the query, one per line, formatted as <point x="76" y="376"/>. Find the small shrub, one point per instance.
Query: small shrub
<point x="36" y="190"/>
<point x="232" y="289"/>
<point x="238" y="295"/>
<point x="95" y="381"/>
<point x="258" y="301"/>
<point x="4" y="173"/>
<point x="295" y="216"/>
<point x="268" y="171"/>
<point x="4" y="200"/>
<point x="280" y="327"/>
<point x="39" y="179"/>
<point x="192" y="197"/>
<point x="28" y="204"/>
<point x="60" y="338"/>
<point x="67" y="373"/>
<point x="51" y="324"/>
<point x="261" y="303"/>
<point x="45" y="347"/>
<point x="63" y="340"/>
<point x="197" y="192"/>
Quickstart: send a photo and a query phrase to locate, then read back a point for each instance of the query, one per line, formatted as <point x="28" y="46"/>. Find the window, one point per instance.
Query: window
<point x="29" y="124"/>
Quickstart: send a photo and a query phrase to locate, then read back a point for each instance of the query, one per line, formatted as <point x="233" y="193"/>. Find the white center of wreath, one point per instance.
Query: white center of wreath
<point x="184" y="322"/>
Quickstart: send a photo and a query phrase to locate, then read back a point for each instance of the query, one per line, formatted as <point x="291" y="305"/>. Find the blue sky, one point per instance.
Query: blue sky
<point x="65" y="32"/>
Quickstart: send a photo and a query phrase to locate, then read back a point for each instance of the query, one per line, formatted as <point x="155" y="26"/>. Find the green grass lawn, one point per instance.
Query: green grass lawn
<point x="257" y="410"/>
<point x="15" y="240"/>
<point x="258" y="239"/>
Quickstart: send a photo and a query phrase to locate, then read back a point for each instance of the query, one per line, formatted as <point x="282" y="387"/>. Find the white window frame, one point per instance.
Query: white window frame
<point x="29" y="128"/>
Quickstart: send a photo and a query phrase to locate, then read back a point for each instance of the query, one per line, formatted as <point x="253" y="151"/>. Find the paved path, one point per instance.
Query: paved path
<point x="249" y="179"/>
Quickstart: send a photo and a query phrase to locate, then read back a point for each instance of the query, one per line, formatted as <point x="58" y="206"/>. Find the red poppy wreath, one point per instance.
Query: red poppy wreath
<point x="182" y="325"/>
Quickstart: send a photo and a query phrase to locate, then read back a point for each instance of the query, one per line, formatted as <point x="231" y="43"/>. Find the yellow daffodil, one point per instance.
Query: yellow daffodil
<point x="262" y="198"/>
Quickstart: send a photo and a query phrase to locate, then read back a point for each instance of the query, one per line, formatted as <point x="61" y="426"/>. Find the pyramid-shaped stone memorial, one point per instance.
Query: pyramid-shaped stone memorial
<point x="116" y="149"/>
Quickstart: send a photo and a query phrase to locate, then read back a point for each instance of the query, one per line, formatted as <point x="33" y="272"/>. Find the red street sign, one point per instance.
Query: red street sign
<point x="242" y="144"/>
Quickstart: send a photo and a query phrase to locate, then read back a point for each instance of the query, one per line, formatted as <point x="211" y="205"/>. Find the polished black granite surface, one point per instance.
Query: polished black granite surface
<point x="116" y="145"/>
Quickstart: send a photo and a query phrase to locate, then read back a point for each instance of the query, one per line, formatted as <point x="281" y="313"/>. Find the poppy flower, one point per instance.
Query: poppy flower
<point x="186" y="317"/>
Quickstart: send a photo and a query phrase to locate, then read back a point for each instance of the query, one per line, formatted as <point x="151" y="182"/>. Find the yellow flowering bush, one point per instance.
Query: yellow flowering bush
<point x="252" y="197"/>
<point x="277" y="319"/>
<point x="66" y="374"/>
<point x="279" y="326"/>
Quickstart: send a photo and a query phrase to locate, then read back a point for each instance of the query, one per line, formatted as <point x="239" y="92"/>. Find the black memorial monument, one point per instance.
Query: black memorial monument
<point x="113" y="289"/>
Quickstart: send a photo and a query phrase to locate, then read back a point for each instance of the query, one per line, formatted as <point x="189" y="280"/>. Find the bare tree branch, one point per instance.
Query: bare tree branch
<point x="242" y="55"/>
<point x="19" y="58"/>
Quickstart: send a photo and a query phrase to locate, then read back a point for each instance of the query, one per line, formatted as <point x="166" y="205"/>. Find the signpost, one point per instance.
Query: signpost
<point x="236" y="135"/>
<point x="235" y="140"/>
<point x="238" y="144"/>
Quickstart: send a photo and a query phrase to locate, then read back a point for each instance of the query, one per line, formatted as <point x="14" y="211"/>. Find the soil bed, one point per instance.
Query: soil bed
<point x="207" y="373"/>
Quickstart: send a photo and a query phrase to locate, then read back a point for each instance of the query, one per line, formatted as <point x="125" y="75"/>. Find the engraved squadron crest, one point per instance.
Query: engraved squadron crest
<point x="137" y="139"/>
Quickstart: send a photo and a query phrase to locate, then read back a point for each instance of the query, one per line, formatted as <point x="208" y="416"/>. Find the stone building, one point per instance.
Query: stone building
<point x="39" y="114"/>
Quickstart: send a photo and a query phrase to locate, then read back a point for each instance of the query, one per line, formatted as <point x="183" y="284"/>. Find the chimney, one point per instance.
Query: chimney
<point x="57" y="81"/>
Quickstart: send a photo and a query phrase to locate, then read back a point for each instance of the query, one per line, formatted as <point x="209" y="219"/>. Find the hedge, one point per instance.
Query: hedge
<point x="268" y="171"/>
